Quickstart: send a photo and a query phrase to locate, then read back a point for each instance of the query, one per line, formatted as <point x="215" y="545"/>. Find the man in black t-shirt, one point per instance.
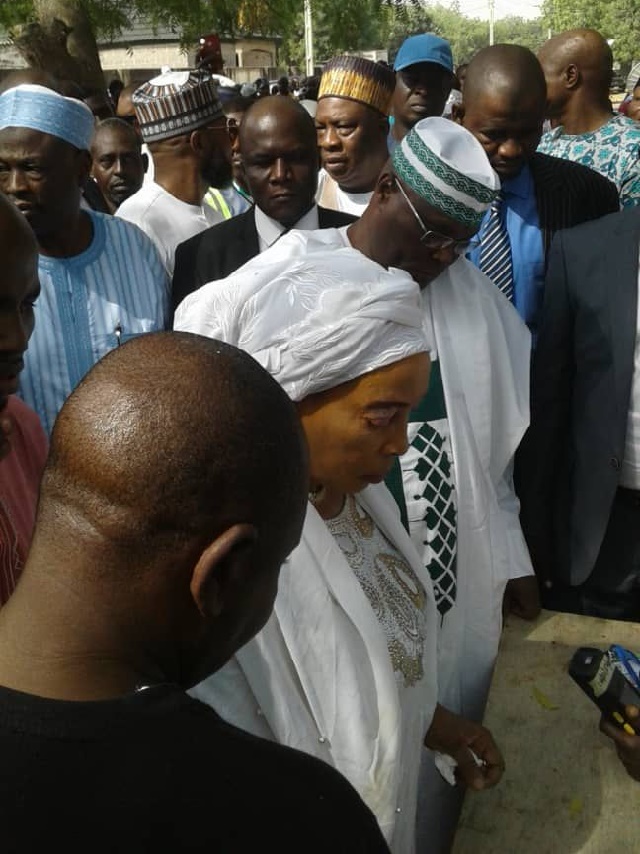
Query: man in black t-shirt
<point x="175" y="487"/>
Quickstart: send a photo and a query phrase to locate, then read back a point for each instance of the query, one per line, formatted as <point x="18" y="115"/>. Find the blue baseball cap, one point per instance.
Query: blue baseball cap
<point x="425" y="47"/>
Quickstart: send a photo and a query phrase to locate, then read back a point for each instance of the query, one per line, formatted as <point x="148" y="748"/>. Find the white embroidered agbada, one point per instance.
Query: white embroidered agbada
<point x="484" y="351"/>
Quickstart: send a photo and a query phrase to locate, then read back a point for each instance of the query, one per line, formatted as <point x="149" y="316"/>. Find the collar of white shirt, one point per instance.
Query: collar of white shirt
<point x="269" y="230"/>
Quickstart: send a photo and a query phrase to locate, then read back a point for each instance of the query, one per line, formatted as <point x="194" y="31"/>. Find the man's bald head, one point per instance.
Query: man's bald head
<point x="176" y="486"/>
<point x="576" y="61"/>
<point x="169" y="439"/>
<point x="114" y="127"/>
<point x="503" y="105"/>
<point x="267" y="113"/>
<point x="505" y="69"/>
<point x="280" y="158"/>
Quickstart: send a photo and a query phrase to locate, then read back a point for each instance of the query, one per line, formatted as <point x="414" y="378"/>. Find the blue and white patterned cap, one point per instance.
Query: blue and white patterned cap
<point x="446" y="165"/>
<point x="42" y="109"/>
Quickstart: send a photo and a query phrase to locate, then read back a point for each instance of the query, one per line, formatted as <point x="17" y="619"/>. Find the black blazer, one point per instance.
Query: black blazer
<point x="581" y="388"/>
<point x="220" y="250"/>
<point x="569" y="194"/>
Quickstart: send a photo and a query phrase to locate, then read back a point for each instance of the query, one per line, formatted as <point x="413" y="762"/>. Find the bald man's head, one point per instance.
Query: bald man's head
<point x="280" y="157"/>
<point x="576" y="61"/>
<point x="504" y="104"/>
<point x="504" y="69"/>
<point x="19" y="289"/>
<point x="172" y="443"/>
<point x="171" y="436"/>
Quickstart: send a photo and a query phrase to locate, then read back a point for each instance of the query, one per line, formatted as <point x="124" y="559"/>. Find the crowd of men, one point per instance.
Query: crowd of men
<point x="177" y="476"/>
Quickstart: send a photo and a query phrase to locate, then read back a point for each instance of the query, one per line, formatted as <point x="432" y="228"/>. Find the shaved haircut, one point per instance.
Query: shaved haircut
<point x="584" y="48"/>
<point x="169" y="440"/>
<point x="115" y="125"/>
<point x="279" y="108"/>
<point x="504" y="68"/>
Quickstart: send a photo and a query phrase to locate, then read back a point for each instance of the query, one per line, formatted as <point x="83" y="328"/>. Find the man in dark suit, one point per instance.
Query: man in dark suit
<point x="581" y="490"/>
<point x="280" y="156"/>
<point x="504" y="106"/>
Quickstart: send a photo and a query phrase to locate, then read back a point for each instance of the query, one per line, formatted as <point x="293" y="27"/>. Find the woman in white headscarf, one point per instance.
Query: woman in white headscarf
<point x="346" y="667"/>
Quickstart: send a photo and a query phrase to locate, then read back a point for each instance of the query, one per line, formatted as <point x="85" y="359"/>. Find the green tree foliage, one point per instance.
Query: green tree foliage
<point x="617" y="20"/>
<point x="466" y="35"/>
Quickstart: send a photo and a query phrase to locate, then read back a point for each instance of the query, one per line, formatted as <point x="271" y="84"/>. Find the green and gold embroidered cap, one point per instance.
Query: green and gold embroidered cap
<point x="446" y="165"/>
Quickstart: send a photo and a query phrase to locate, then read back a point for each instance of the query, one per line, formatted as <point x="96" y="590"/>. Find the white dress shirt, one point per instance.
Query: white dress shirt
<point x="269" y="230"/>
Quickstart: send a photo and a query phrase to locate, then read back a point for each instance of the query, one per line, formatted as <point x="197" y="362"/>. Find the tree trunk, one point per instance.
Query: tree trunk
<point x="62" y="42"/>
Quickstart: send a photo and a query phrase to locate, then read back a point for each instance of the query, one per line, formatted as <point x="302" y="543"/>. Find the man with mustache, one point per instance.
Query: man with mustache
<point x="182" y="121"/>
<point x="102" y="279"/>
<point x="277" y="145"/>
<point x="117" y="165"/>
<point x="352" y="127"/>
<point x="424" y="75"/>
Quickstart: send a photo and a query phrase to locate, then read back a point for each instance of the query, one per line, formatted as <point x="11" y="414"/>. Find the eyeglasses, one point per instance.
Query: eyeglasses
<point x="434" y="239"/>
<point x="231" y="124"/>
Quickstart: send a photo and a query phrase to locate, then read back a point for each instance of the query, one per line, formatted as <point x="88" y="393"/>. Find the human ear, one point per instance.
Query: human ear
<point x="195" y="141"/>
<point x="386" y="185"/>
<point x="219" y="566"/>
<point x="572" y="76"/>
<point x="457" y="113"/>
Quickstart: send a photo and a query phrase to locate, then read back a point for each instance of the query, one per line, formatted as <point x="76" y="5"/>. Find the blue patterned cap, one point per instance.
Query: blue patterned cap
<point x="446" y="165"/>
<point x="42" y="109"/>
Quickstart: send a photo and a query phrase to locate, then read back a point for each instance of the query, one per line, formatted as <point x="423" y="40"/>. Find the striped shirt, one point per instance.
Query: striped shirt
<point x="90" y="303"/>
<point x="20" y="473"/>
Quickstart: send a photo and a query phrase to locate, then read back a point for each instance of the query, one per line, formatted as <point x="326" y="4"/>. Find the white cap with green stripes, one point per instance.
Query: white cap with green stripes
<point x="446" y="165"/>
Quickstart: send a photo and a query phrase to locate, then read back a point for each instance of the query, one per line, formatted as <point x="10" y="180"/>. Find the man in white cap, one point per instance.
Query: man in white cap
<point x="182" y="121"/>
<point x="454" y="484"/>
<point x="102" y="279"/>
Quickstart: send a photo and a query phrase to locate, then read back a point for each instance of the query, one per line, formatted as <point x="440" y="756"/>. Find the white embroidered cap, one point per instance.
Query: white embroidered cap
<point x="446" y="165"/>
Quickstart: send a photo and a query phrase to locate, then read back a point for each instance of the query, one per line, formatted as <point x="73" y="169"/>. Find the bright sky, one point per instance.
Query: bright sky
<point x="502" y="8"/>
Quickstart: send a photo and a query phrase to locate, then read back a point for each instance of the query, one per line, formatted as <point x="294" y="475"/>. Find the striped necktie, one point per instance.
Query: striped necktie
<point x="495" y="251"/>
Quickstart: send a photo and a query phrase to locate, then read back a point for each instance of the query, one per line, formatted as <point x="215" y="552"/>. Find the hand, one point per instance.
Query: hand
<point x="449" y="733"/>
<point x="522" y="598"/>
<point x="5" y="435"/>
<point x="627" y="746"/>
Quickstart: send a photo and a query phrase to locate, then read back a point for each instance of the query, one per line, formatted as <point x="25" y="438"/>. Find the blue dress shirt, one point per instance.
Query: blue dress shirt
<point x="527" y="250"/>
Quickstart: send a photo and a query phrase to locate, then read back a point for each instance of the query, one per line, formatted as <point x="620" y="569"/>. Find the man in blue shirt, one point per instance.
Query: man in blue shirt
<point x="504" y="106"/>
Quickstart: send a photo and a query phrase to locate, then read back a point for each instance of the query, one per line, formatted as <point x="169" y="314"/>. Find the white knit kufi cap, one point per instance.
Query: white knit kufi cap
<point x="324" y="321"/>
<point x="446" y="165"/>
